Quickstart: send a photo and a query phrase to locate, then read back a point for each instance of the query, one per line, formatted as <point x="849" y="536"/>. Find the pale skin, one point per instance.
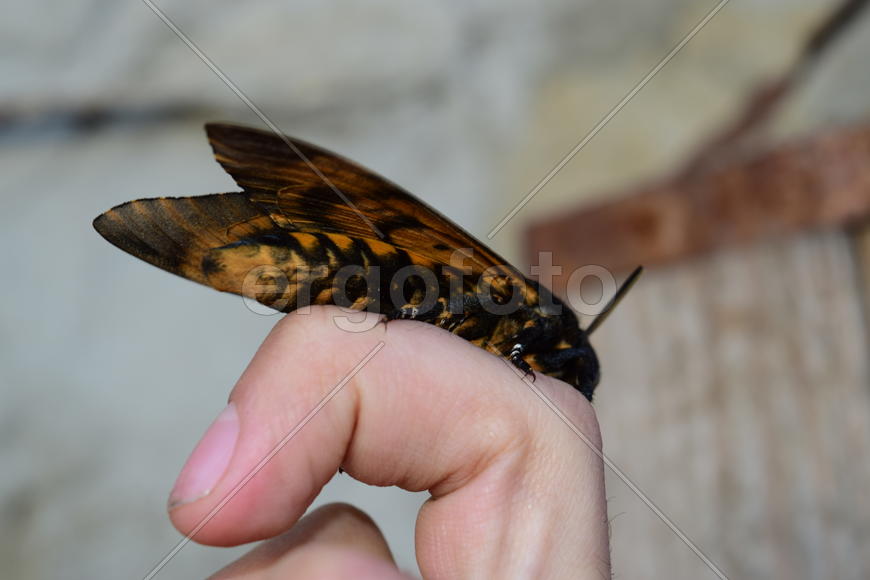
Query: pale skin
<point x="515" y="493"/>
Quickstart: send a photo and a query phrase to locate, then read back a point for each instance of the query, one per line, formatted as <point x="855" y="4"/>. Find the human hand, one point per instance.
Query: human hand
<point x="515" y="493"/>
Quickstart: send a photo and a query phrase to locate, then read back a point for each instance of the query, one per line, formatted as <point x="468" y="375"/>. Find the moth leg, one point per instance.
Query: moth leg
<point x="516" y="357"/>
<point x="407" y="312"/>
<point x="413" y="312"/>
<point x="537" y="335"/>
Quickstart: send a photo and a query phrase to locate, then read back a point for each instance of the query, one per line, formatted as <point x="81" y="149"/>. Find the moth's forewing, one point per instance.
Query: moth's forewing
<point x="176" y="233"/>
<point x="334" y="196"/>
<point x="229" y="243"/>
<point x="283" y="197"/>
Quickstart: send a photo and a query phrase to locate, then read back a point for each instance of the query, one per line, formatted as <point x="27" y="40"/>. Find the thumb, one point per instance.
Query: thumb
<point x="403" y="404"/>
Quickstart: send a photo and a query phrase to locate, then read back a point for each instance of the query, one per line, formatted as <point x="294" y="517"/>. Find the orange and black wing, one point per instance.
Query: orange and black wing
<point x="176" y="233"/>
<point x="311" y="227"/>
<point x="306" y="188"/>
<point x="303" y="209"/>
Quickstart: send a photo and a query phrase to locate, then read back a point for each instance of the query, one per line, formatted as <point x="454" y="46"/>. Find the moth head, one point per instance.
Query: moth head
<point x="587" y="372"/>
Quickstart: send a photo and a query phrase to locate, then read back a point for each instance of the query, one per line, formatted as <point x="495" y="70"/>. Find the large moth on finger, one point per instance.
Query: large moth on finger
<point x="310" y="227"/>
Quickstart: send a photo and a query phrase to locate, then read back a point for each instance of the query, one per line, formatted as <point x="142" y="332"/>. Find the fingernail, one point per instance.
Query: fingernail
<point x="208" y="461"/>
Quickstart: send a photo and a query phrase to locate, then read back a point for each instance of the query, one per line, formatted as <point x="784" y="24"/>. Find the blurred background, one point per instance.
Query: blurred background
<point x="735" y="390"/>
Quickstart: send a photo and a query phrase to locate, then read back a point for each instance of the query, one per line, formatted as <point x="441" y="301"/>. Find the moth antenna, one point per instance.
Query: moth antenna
<point x="620" y="294"/>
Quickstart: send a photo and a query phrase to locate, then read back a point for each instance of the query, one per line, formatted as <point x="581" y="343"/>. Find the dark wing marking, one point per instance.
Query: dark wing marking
<point x="297" y="197"/>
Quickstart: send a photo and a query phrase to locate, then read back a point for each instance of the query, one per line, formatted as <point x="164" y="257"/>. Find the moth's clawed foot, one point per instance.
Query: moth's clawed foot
<point x="516" y="357"/>
<point x="528" y="372"/>
<point x="434" y="314"/>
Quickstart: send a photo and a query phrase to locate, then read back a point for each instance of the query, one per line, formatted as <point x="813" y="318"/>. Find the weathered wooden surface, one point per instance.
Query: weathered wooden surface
<point x="822" y="181"/>
<point x="861" y="245"/>
<point x="735" y="394"/>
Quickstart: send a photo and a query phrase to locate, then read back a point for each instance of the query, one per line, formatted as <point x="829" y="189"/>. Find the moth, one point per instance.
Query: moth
<point x="310" y="227"/>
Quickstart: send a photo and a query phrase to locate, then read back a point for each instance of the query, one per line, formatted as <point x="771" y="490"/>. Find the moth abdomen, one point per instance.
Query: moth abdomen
<point x="302" y="269"/>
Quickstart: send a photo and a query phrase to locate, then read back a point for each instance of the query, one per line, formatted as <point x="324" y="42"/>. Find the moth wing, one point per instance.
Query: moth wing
<point x="231" y="244"/>
<point x="176" y="233"/>
<point x="310" y="189"/>
<point x="283" y="196"/>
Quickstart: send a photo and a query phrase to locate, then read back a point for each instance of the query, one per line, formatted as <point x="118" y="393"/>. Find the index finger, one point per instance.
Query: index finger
<point x="513" y="489"/>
